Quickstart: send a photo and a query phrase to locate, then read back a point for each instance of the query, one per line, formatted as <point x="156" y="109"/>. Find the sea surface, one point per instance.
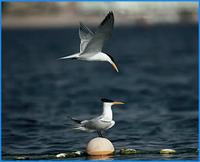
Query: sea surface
<point x="157" y="81"/>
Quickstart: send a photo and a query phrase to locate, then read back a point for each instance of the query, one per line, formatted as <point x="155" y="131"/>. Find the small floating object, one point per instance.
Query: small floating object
<point x="167" y="151"/>
<point x="70" y="154"/>
<point x="61" y="155"/>
<point x="100" y="146"/>
<point x="127" y="151"/>
<point x="20" y="158"/>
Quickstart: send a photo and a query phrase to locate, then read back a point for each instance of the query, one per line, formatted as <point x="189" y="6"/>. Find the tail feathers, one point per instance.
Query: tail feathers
<point x="79" y="127"/>
<point x="75" y="120"/>
<point x="74" y="56"/>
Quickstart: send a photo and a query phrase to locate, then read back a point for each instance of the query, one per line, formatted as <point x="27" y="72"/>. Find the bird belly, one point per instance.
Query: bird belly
<point x="91" y="57"/>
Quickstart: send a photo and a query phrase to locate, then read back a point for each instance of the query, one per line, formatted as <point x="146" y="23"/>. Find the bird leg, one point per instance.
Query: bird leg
<point x="100" y="133"/>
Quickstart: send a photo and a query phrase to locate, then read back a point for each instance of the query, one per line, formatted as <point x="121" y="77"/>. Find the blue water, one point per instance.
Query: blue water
<point x="157" y="80"/>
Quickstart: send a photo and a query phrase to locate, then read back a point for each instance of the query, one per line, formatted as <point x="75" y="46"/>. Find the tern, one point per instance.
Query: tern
<point x="92" y="42"/>
<point x="101" y="123"/>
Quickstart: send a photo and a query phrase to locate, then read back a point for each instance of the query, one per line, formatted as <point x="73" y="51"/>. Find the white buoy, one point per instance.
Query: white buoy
<point x="100" y="146"/>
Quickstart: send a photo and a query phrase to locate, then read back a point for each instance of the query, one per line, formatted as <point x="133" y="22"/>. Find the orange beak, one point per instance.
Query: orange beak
<point x="118" y="103"/>
<point x="114" y="66"/>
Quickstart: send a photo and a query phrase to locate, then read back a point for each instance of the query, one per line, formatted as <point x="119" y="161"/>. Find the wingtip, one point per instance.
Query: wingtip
<point x="81" y="24"/>
<point x="61" y="58"/>
<point x="110" y="12"/>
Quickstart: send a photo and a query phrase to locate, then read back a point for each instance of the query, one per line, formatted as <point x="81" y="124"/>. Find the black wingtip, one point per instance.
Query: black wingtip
<point x="106" y="100"/>
<point x="81" y="25"/>
<point x="110" y="13"/>
<point x="109" y="17"/>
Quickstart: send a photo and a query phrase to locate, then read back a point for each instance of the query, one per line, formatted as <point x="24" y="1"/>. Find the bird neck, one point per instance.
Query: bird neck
<point x="102" y="57"/>
<point x="107" y="111"/>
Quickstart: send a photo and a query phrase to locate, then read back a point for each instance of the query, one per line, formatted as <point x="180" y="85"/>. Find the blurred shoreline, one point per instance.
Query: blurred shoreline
<point x="61" y="14"/>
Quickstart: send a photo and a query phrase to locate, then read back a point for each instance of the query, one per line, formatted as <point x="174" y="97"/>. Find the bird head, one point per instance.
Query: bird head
<point x="111" y="102"/>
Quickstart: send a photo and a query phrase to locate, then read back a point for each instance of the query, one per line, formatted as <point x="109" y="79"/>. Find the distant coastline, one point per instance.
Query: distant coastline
<point x="17" y="15"/>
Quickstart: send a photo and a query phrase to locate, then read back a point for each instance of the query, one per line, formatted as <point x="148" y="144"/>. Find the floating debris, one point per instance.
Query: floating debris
<point x="128" y="151"/>
<point x="21" y="158"/>
<point x="82" y="155"/>
<point x="61" y="155"/>
<point x="70" y="154"/>
<point x="167" y="151"/>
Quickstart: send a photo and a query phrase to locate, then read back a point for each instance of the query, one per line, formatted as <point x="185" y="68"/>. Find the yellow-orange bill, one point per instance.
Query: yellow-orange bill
<point x="118" y="103"/>
<point x="115" y="67"/>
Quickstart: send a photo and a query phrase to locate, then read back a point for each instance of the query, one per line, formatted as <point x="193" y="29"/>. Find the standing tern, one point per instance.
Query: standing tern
<point x="100" y="123"/>
<point x="92" y="43"/>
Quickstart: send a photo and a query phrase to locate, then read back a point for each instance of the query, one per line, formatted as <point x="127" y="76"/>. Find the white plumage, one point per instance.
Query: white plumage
<point x="101" y="123"/>
<point x="92" y="43"/>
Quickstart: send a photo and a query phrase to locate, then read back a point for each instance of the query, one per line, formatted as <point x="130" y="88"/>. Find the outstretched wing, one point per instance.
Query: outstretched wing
<point x="85" y="35"/>
<point x="102" y="34"/>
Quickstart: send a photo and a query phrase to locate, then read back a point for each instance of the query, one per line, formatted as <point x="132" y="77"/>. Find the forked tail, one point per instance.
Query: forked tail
<point x="76" y="124"/>
<point x="79" y="125"/>
<point x="74" y="56"/>
<point x="75" y="120"/>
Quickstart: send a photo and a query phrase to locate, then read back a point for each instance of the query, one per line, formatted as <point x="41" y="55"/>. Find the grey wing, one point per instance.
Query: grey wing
<point x="97" y="124"/>
<point x="102" y="34"/>
<point x="85" y="35"/>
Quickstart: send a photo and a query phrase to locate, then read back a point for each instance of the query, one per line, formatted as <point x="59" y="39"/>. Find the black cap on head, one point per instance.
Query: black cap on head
<point x="106" y="100"/>
<point x="112" y="58"/>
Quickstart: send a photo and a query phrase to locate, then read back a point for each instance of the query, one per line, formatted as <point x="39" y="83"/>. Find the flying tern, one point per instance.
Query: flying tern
<point x="92" y="42"/>
<point x="101" y="123"/>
